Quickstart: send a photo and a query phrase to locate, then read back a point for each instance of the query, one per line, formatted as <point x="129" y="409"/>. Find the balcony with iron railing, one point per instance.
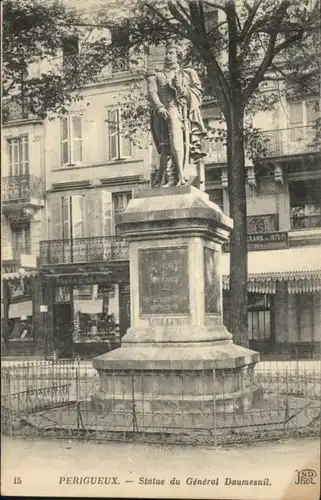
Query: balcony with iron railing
<point x="279" y="142"/>
<point x="291" y="141"/>
<point x="306" y="221"/>
<point x="16" y="110"/>
<point x="83" y="250"/>
<point x="21" y="189"/>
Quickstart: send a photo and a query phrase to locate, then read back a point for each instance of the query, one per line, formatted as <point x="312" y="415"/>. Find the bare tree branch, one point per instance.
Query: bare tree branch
<point x="270" y="51"/>
<point x="248" y="22"/>
<point x="289" y="41"/>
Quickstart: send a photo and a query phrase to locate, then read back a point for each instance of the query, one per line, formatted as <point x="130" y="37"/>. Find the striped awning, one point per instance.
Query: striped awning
<point x="300" y="267"/>
<point x="17" y="275"/>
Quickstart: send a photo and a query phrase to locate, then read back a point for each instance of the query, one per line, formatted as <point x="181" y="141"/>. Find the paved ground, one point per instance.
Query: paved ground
<point x="48" y="468"/>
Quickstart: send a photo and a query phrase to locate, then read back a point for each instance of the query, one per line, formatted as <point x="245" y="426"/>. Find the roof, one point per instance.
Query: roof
<point x="283" y="263"/>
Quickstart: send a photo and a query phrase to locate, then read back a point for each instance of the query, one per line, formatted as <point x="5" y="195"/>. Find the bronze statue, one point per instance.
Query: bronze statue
<point x="176" y="123"/>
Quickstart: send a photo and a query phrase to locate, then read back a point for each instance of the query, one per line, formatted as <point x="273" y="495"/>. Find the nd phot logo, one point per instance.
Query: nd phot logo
<point x="305" y="476"/>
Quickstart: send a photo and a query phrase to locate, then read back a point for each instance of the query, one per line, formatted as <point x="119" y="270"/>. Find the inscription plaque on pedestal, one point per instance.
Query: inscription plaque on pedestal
<point x="163" y="281"/>
<point x="212" y="281"/>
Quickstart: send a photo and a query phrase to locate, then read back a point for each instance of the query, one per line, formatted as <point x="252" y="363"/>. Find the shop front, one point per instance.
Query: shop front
<point x="284" y="301"/>
<point x="21" y="321"/>
<point x="87" y="314"/>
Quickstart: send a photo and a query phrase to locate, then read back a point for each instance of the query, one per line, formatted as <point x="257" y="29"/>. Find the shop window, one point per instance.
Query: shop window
<point x="96" y="316"/>
<point x="259" y="316"/>
<point x="18" y="156"/>
<point x="62" y="295"/>
<point x="120" y="146"/>
<point x="71" y="140"/>
<point x="20" y="328"/>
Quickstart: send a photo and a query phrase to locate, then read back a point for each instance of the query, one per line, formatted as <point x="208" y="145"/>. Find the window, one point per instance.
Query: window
<point x="121" y="44"/>
<point x="120" y="201"/>
<point x="259" y="316"/>
<point x="302" y="115"/>
<point x="20" y="237"/>
<point x="119" y="145"/>
<point x="305" y="204"/>
<point x="18" y="156"/>
<point x="71" y="140"/>
<point x="70" y="51"/>
<point x="216" y="196"/>
<point x="72" y="217"/>
<point x="15" y="109"/>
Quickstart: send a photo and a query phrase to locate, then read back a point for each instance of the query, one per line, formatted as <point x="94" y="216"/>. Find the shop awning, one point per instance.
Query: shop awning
<point x="19" y="309"/>
<point x="299" y="266"/>
<point x="17" y="275"/>
<point x="89" y="306"/>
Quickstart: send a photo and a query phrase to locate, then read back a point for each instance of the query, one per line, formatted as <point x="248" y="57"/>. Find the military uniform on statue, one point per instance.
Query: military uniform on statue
<point x="176" y="123"/>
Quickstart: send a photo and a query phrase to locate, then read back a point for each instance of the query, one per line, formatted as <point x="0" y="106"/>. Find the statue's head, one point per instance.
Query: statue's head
<point x="173" y="53"/>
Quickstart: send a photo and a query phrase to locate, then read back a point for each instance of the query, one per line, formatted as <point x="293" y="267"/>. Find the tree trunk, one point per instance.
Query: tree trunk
<point x="238" y="242"/>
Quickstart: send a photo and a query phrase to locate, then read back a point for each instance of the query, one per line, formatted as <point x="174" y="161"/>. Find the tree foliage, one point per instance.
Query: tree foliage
<point x="239" y="49"/>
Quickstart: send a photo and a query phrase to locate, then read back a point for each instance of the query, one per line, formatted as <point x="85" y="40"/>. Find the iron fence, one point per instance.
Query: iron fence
<point x="63" y="398"/>
<point x="278" y="142"/>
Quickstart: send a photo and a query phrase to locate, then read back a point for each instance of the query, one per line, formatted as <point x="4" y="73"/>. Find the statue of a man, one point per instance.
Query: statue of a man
<point x="176" y="124"/>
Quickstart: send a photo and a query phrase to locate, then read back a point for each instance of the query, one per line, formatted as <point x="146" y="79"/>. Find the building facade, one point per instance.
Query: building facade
<point x="66" y="181"/>
<point x="22" y="223"/>
<point x="284" y="230"/>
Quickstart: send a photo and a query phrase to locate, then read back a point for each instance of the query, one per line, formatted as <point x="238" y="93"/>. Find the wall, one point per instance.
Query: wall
<point x="6" y="250"/>
<point x="96" y="163"/>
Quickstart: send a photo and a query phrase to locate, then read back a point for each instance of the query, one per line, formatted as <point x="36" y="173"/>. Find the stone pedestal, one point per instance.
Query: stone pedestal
<point x="177" y="356"/>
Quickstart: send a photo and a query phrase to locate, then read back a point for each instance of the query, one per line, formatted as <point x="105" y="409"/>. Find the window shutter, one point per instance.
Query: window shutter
<point x="312" y="111"/>
<point x="295" y="114"/>
<point x="64" y="127"/>
<point x="25" y="155"/>
<point x="126" y="147"/>
<point x="55" y="209"/>
<point x="125" y="143"/>
<point x="107" y="214"/>
<point x="77" y="216"/>
<point x="66" y="222"/>
<point x="93" y="213"/>
<point x="296" y="121"/>
<point x="113" y="131"/>
<point x="76" y="127"/>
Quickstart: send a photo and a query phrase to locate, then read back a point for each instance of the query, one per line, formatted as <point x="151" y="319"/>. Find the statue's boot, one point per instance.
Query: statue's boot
<point x="171" y="176"/>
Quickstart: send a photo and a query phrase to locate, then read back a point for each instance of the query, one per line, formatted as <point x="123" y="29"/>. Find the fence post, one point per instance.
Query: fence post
<point x="135" y="426"/>
<point x="214" y="407"/>
<point x="8" y="396"/>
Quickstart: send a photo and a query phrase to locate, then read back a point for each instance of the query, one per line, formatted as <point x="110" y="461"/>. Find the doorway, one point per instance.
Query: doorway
<point x="63" y="332"/>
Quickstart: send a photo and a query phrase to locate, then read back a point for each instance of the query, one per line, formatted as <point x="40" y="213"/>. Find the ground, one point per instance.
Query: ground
<point x="46" y="467"/>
